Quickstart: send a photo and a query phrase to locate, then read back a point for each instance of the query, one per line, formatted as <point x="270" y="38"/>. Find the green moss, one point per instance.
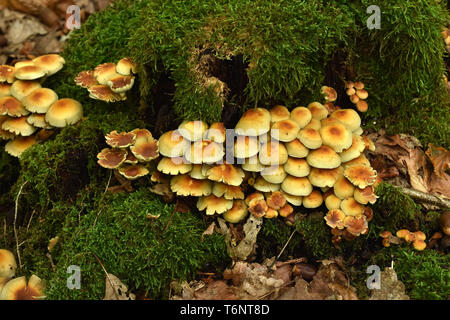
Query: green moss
<point x="316" y="236"/>
<point x="129" y="245"/>
<point x="424" y="273"/>
<point x="272" y="238"/>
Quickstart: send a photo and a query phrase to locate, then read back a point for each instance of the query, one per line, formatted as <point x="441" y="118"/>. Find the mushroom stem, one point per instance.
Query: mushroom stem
<point x="425" y="197"/>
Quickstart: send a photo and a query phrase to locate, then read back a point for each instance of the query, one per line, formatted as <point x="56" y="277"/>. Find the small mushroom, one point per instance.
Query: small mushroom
<point x="254" y="122"/>
<point x="226" y="173"/>
<point x="7" y="73"/>
<point x="8" y="264"/>
<point x="22" y="88"/>
<point x="103" y="92"/>
<point x="111" y="158"/>
<point x="329" y="93"/>
<point x="64" y="112"/>
<point x="360" y="175"/>
<point x="18" y="145"/>
<point x="335" y="219"/>
<point x="86" y="79"/>
<point x="30" y="73"/>
<point x="133" y="171"/>
<point x="214" y="204"/>
<point x="184" y="185"/>
<point x="12" y="107"/>
<point x="323" y="158"/>
<point x="40" y="100"/>
<point x="173" y="166"/>
<point x="19" y="289"/>
<point x="120" y="140"/>
<point x="51" y="63"/>
<point x="145" y="149"/>
<point x="237" y="213"/>
<point x="444" y="221"/>
<point x="226" y="191"/>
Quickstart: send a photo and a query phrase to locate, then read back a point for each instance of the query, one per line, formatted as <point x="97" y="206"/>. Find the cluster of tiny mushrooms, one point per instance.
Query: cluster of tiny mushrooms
<point x="108" y="81"/>
<point x="29" y="112"/>
<point x="17" y="288"/>
<point x="272" y="162"/>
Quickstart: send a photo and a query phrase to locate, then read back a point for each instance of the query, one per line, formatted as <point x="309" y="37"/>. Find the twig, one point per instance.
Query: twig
<point x="49" y="256"/>
<point x="282" y="250"/>
<point x="107" y="275"/>
<point x="425" y="197"/>
<point x="15" y="221"/>
<point x="101" y="200"/>
<point x="170" y="220"/>
<point x="31" y="218"/>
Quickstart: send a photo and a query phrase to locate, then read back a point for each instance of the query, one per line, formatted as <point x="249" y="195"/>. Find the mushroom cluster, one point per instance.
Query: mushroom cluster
<point x="129" y="152"/>
<point x="358" y="95"/>
<point x="17" y="288"/>
<point x="417" y="238"/>
<point x="27" y="110"/>
<point x="305" y="156"/>
<point x="108" y="81"/>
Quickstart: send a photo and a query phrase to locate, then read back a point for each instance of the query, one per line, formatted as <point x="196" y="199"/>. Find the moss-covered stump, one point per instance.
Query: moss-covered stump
<point x="211" y="60"/>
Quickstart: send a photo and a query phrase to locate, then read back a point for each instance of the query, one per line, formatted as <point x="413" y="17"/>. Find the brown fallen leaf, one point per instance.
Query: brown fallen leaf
<point x="209" y="231"/>
<point x="215" y="290"/>
<point x="440" y="158"/>
<point x="415" y="162"/>
<point x="116" y="290"/>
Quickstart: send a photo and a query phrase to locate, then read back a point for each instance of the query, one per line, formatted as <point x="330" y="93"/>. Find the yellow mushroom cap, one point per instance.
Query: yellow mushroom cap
<point x="226" y="173"/>
<point x="64" y="112"/>
<point x="301" y="115"/>
<point x="145" y="150"/>
<point x="362" y="93"/>
<point x="358" y="131"/>
<point x="120" y="140"/>
<point x="296" y="149"/>
<point x="133" y="171"/>
<point x="40" y="100"/>
<point x="343" y="188"/>
<point x="23" y="63"/>
<point x="349" y="117"/>
<point x="142" y="135"/>
<point x="7" y="73"/>
<point x="214" y="204"/>
<point x="355" y="149"/>
<point x="21" y="88"/>
<point x="329" y="93"/>
<point x="125" y="66"/>
<point x="216" y="133"/>
<point x="351" y="207"/>
<point x="17" y="146"/>
<point x="226" y="191"/>
<point x="193" y="130"/>
<point x="120" y="83"/>
<point x="310" y="138"/>
<point x="318" y="110"/>
<point x="104" y="93"/>
<point x="38" y="120"/>
<point x="5" y="89"/>
<point x="19" y="126"/>
<point x="246" y="146"/>
<point x="270" y="213"/>
<point x="323" y="158"/>
<point x="18" y="289"/>
<point x="366" y="195"/>
<point x="335" y="219"/>
<point x="8" y="264"/>
<point x="274" y="174"/>
<point x="199" y="171"/>
<point x="86" y="79"/>
<point x="172" y="144"/>
<point x="237" y="213"/>
<point x="111" y="158"/>
<point x="362" y="106"/>
<point x="286" y="210"/>
<point x="313" y="200"/>
<point x="51" y="63"/>
<point x="324" y="177"/>
<point x="253" y="197"/>
<point x="254" y="122"/>
<point x="420" y="235"/>
<point x="294" y="200"/>
<point x="284" y="130"/>
<point x="332" y="202"/>
<point x="360" y="175"/>
<point x="252" y="164"/>
<point x="276" y="200"/>
<point x="297" y="167"/>
<point x="12" y="107"/>
<point x="419" y="245"/>
<point x="336" y="136"/>
<point x="361" y="160"/>
<point x="264" y="186"/>
<point x="272" y="153"/>
<point x="279" y="113"/>
<point x="30" y="72"/>
<point x="355" y="225"/>
<point x="105" y="71"/>
<point x="5" y="135"/>
<point x="296" y="186"/>
<point x="204" y="151"/>
<point x="184" y="185"/>
<point x="314" y="124"/>
<point x="258" y="208"/>
<point x="173" y="166"/>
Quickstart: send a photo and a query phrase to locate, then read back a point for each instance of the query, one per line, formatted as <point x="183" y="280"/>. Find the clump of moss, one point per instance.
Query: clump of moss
<point x="115" y="228"/>
<point x="424" y="273"/>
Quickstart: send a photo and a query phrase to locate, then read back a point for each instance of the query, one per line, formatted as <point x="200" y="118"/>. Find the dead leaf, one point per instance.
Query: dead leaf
<point x="440" y="158"/>
<point x="416" y="161"/>
<point x="216" y="290"/>
<point x="116" y="290"/>
<point x="247" y="245"/>
<point x="209" y="231"/>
